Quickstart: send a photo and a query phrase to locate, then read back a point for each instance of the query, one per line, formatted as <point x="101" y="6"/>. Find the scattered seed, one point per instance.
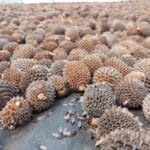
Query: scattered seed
<point x="65" y="104"/>
<point x="43" y="117"/>
<point x="80" y="118"/>
<point x="55" y="135"/>
<point x="73" y="133"/>
<point x="81" y="100"/>
<point x="73" y="100"/>
<point x="70" y="104"/>
<point x="60" y="129"/>
<point x="72" y="120"/>
<point x="42" y="147"/>
<point x="79" y="125"/>
<point x="67" y="117"/>
<point x="58" y="136"/>
<point x="40" y="118"/>
<point x="70" y="133"/>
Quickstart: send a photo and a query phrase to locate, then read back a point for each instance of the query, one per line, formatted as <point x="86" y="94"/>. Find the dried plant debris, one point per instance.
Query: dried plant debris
<point x="75" y="121"/>
<point x="74" y="118"/>
<point x="68" y="104"/>
<point x="63" y="132"/>
<point x="42" y="147"/>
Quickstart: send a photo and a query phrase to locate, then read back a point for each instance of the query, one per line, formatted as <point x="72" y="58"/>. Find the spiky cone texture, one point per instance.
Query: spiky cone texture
<point x="56" y="38"/>
<point x="16" y="112"/>
<point x="40" y="17"/>
<point x="37" y="72"/>
<point x="116" y="118"/>
<point x="77" y="54"/>
<point x="15" y="21"/>
<point x="130" y="94"/>
<point x="118" y="64"/>
<point x="4" y="55"/>
<point x="23" y="64"/>
<point x="96" y="98"/>
<point x="10" y="47"/>
<point x="45" y="62"/>
<point x="102" y="56"/>
<point x="104" y="25"/>
<point x="87" y="44"/>
<point x="7" y="91"/>
<point x="34" y="43"/>
<point x="136" y="38"/>
<point x="60" y="85"/>
<point x="144" y="18"/>
<point x="28" y="26"/>
<point x="43" y="55"/>
<point x="117" y="51"/>
<point x="146" y="107"/>
<point x="72" y="34"/>
<point x="125" y="139"/>
<point x="128" y="43"/>
<point x="135" y="76"/>
<point x="142" y="65"/>
<point x="41" y="95"/>
<point x="18" y="36"/>
<point x="59" y="29"/>
<point x="92" y="25"/>
<point x="85" y="31"/>
<point x="121" y="35"/>
<point x="37" y="36"/>
<point x="3" y="66"/>
<point x="49" y="45"/>
<point x="93" y="62"/>
<point x="6" y="31"/>
<point x="59" y="54"/>
<point x="118" y="25"/>
<point x="101" y="48"/>
<point x="136" y="50"/>
<point x="24" y="51"/>
<point x="147" y="81"/>
<point x="57" y="67"/>
<point x="108" y="39"/>
<point x="128" y="59"/>
<point x="13" y="75"/>
<point x="107" y="75"/>
<point x="131" y="29"/>
<point x="77" y="75"/>
<point x="146" y="42"/>
<point x="67" y="45"/>
<point x="143" y="28"/>
<point x="139" y="52"/>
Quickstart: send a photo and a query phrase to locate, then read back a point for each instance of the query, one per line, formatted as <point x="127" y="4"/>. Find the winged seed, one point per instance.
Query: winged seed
<point x="42" y="147"/>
